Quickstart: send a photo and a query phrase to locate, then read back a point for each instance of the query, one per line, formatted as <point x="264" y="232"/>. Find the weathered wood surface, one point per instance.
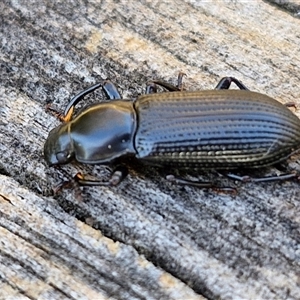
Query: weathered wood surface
<point x="145" y="239"/>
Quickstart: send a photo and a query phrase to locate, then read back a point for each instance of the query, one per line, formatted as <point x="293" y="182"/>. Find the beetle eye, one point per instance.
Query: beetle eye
<point x="62" y="157"/>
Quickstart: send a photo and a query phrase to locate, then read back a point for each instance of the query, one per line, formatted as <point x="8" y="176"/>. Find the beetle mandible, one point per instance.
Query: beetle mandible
<point x="218" y="129"/>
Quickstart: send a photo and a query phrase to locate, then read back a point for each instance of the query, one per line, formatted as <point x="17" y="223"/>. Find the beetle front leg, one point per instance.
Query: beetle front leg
<point x="69" y="110"/>
<point x="225" y="83"/>
<point x="71" y="105"/>
<point x="116" y="177"/>
<point x="110" y="90"/>
<point x="108" y="87"/>
<point x="55" y="112"/>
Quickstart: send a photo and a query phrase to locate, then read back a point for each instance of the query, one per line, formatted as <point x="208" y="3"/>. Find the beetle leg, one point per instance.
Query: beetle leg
<point x="71" y="183"/>
<point x="225" y="83"/>
<point x="108" y="87"/>
<point x="199" y="184"/>
<point x="55" y="112"/>
<point x="70" y="107"/>
<point x="166" y="85"/>
<point x="182" y="181"/>
<point x="110" y="90"/>
<point x="116" y="177"/>
<point x="179" y="80"/>
<point x="262" y="179"/>
<point x="151" y="88"/>
<point x="291" y="104"/>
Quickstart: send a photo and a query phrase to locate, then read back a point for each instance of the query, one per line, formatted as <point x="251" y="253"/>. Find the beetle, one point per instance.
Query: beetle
<point x="221" y="129"/>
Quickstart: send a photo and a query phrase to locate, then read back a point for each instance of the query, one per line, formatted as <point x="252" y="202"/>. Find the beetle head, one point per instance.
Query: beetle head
<point x="58" y="148"/>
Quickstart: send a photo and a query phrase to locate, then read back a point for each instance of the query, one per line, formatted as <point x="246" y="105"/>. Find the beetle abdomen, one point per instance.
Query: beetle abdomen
<point x="220" y="129"/>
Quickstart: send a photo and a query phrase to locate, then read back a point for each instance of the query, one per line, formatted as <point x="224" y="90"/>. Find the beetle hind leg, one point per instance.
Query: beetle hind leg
<point x="182" y="181"/>
<point x="263" y="179"/>
<point x="201" y="184"/>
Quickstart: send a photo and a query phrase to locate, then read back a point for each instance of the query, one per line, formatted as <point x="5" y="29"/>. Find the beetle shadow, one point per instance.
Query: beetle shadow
<point x="171" y="175"/>
<point x="223" y="179"/>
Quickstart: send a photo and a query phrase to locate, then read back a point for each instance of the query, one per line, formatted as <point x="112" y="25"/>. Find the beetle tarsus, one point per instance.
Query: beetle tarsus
<point x="71" y="183"/>
<point x="182" y="181"/>
<point x="291" y="104"/>
<point x="247" y="178"/>
<point x="62" y="185"/>
<point x="55" y="112"/>
<point x="225" y="190"/>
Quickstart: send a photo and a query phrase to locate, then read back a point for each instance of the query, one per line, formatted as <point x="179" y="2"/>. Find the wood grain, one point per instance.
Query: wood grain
<point x="145" y="239"/>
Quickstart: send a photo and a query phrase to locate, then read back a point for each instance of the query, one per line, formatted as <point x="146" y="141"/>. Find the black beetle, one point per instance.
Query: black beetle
<point x="210" y="129"/>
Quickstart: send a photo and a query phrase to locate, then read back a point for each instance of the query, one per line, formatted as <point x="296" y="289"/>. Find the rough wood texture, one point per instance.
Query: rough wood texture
<point x="145" y="239"/>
